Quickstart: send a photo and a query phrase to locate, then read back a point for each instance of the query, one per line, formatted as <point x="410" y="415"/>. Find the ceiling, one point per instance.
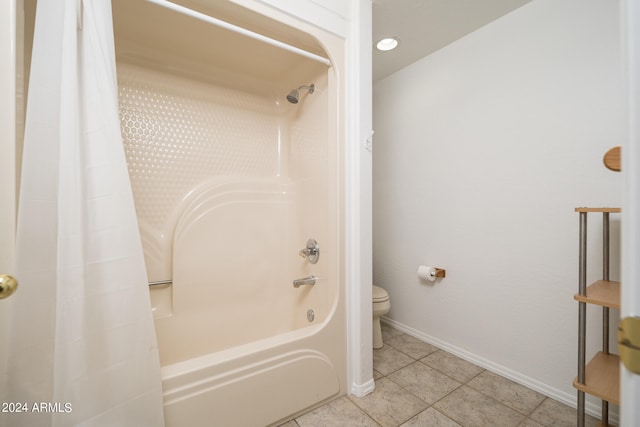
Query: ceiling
<point x="424" y="26"/>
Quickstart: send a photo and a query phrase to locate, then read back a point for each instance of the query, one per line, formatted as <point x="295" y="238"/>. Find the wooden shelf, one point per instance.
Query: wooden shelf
<point x="610" y="210"/>
<point x="603" y="292"/>
<point x="602" y="378"/>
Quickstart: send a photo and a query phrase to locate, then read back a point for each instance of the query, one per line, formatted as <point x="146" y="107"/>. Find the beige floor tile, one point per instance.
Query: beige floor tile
<point x="472" y="408"/>
<point x="557" y="414"/>
<point x="340" y="412"/>
<point x="411" y="346"/>
<point x="529" y="423"/>
<point x="461" y="394"/>
<point x="389" y="404"/>
<point x="377" y="375"/>
<point x="431" y="418"/>
<point x="387" y="359"/>
<point x="389" y="332"/>
<point x="515" y="396"/>
<point x="424" y="382"/>
<point x="455" y="367"/>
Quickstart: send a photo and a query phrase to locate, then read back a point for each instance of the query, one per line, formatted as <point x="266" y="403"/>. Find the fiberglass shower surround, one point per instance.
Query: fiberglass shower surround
<point x="230" y="180"/>
<point x="223" y="174"/>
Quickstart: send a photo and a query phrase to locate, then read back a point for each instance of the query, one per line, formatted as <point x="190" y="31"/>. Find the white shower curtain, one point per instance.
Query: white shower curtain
<point x="83" y="351"/>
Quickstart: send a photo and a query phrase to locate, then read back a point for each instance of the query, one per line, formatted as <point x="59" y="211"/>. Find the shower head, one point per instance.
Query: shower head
<point x="294" y="95"/>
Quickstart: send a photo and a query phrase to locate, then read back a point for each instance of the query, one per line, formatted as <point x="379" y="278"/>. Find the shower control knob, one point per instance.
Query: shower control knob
<point x="8" y="285"/>
<point x="311" y="251"/>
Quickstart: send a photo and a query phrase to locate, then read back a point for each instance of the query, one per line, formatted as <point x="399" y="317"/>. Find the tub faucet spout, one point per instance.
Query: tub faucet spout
<point x="310" y="280"/>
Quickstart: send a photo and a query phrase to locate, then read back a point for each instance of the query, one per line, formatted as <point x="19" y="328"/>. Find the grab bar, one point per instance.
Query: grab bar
<point x="161" y="282"/>
<point x="310" y="280"/>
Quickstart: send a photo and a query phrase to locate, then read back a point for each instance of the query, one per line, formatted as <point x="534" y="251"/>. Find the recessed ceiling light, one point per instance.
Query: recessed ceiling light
<point x="388" y="43"/>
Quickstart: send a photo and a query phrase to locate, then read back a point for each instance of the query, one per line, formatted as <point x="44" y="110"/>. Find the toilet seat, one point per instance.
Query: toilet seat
<point x="379" y="294"/>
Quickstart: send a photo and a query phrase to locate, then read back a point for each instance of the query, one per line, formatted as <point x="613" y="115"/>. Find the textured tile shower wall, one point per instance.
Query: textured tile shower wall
<point x="179" y="132"/>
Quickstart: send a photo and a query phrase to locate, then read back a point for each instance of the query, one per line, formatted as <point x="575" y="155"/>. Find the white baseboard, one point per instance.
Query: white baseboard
<point x="542" y="388"/>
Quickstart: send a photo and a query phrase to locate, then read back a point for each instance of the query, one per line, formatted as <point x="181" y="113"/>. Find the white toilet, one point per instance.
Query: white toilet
<point x="381" y="306"/>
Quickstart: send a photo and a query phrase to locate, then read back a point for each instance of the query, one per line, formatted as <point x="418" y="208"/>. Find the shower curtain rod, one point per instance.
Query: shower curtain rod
<point x="219" y="23"/>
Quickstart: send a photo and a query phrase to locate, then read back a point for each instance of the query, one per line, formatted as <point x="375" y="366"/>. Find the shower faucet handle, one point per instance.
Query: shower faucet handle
<point x="311" y="251"/>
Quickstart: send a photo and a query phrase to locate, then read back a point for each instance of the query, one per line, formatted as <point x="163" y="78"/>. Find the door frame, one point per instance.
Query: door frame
<point x="9" y="18"/>
<point x="630" y="293"/>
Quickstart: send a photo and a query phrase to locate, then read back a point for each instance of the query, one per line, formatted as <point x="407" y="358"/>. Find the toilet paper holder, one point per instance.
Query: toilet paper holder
<point x="429" y="273"/>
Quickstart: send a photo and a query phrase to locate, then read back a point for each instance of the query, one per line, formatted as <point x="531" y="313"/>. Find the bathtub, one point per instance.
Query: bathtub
<point x="232" y="276"/>
<point x="230" y="181"/>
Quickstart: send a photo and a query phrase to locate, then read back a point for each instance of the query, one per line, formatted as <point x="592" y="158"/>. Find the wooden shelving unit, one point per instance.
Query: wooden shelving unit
<point x="600" y="376"/>
<point x="605" y="293"/>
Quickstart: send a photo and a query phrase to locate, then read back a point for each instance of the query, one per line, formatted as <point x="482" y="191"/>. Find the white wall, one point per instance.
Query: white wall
<point x="482" y="151"/>
<point x="358" y="202"/>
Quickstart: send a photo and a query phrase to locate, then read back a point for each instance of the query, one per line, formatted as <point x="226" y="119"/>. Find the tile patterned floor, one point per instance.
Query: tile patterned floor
<point x="418" y="384"/>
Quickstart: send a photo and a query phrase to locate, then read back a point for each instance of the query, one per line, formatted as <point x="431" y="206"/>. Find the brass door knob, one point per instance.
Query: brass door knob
<point x="8" y="285"/>
<point x="629" y="343"/>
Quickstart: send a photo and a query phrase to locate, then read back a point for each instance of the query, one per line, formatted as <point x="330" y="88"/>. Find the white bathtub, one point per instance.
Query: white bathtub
<point x="257" y="384"/>
<point x="229" y="182"/>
